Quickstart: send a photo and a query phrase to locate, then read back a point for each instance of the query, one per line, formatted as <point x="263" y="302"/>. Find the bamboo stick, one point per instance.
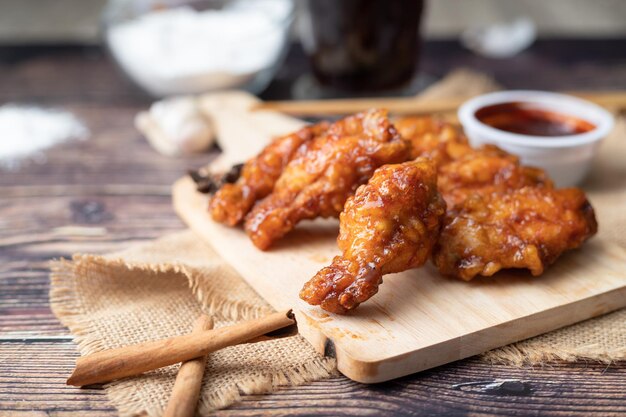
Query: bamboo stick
<point x="408" y="105"/>
<point x="348" y="106"/>
<point x="133" y="360"/>
<point x="186" y="392"/>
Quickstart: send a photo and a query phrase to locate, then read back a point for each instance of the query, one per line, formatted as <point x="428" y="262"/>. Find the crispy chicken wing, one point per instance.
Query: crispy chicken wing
<point x="389" y="225"/>
<point x="485" y="170"/>
<point x="500" y="213"/>
<point x="324" y="172"/>
<point x="528" y="227"/>
<point x="233" y="201"/>
<point x="433" y="138"/>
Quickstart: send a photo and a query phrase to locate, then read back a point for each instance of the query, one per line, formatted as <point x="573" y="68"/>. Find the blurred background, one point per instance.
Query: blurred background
<point x="285" y="49"/>
<point x="77" y="21"/>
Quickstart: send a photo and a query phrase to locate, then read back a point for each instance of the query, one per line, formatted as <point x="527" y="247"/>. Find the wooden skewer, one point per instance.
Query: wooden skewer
<point x="410" y="105"/>
<point x="186" y="392"/>
<point x="133" y="360"/>
<point x="348" y="106"/>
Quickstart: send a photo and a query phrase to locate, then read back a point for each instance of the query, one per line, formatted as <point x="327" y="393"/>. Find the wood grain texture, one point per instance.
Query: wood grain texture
<point x="114" y="182"/>
<point x="34" y="380"/>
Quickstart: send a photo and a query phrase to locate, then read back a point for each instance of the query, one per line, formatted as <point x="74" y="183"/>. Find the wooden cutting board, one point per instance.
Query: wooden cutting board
<point x="418" y="319"/>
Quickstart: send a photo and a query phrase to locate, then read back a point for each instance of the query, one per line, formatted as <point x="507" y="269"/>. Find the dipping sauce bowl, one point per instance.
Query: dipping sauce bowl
<point x="556" y="132"/>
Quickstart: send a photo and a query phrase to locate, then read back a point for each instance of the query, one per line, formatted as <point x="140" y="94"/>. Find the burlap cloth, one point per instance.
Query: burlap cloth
<point x="158" y="289"/>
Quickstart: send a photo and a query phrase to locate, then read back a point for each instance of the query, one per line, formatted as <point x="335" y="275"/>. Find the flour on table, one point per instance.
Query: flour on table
<point x="25" y="132"/>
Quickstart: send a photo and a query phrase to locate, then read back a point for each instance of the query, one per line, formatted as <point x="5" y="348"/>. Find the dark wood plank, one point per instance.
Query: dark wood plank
<point x="34" y="373"/>
<point x="56" y="75"/>
<point x="115" y="157"/>
<point x="550" y="64"/>
<point x="459" y="389"/>
<point x="33" y="378"/>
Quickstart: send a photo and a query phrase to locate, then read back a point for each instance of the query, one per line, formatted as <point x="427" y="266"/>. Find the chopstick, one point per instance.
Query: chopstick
<point x="409" y="105"/>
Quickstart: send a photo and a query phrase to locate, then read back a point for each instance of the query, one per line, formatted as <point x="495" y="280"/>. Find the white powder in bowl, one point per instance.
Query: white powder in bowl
<point x="184" y="51"/>
<point x="26" y="131"/>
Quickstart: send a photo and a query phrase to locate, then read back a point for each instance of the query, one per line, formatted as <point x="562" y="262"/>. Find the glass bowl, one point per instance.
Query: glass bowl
<point x="171" y="47"/>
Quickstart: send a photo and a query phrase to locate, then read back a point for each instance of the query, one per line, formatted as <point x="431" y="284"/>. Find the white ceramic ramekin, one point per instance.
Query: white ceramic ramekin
<point x="567" y="159"/>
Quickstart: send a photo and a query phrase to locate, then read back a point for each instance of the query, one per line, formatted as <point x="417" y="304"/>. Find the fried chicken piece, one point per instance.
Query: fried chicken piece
<point x="432" y="137"/>
<point x="464" y="170"/>
<point x="500" y="213"/>
<point x="486" y="170"/>
<point x="529" y="227"/>
<point x="233" y="201"/>
<point x="389" y="225"/>
<point x="324" y="173"/>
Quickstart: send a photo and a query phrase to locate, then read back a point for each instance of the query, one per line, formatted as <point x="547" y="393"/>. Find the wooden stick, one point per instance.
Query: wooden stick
<point x="348" y="106"/>
<point x="132" y="360"/>
<point x="186" y="392"/>
<point x="409" y="105"/>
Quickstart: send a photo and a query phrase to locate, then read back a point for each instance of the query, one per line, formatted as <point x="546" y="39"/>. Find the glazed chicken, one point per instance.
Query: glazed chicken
<point x="474" y="211"/>
<point x="389" y="225"/>
<point x="485" y="170"/>
<point x="433" y="138"/>
<point x="324" y="172"/>
<point x="232" y="202"/>
<point x="500" y="214"/>
<point x="528" y="227"/>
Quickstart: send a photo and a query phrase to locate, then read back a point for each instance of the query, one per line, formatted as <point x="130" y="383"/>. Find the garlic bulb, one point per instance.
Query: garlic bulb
<point x="176" y="126"/>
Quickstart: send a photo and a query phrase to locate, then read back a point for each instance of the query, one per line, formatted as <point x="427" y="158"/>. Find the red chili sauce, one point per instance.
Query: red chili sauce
<point x="527" y="119"/>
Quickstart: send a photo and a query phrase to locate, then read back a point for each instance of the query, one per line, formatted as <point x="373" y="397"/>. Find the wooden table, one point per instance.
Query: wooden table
<point x="118" y="188"/>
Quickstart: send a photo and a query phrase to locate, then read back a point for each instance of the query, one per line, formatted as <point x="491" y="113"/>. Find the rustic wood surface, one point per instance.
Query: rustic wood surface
<point x="117" y="189"/>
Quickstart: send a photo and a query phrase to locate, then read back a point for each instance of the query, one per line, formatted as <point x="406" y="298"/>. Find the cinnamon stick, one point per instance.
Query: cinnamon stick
<point x="133" y="360"/>
<point x="186" y="391"/>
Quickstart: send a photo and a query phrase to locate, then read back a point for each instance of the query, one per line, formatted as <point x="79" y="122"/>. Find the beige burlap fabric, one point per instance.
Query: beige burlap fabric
<point x="158" y="289"/>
